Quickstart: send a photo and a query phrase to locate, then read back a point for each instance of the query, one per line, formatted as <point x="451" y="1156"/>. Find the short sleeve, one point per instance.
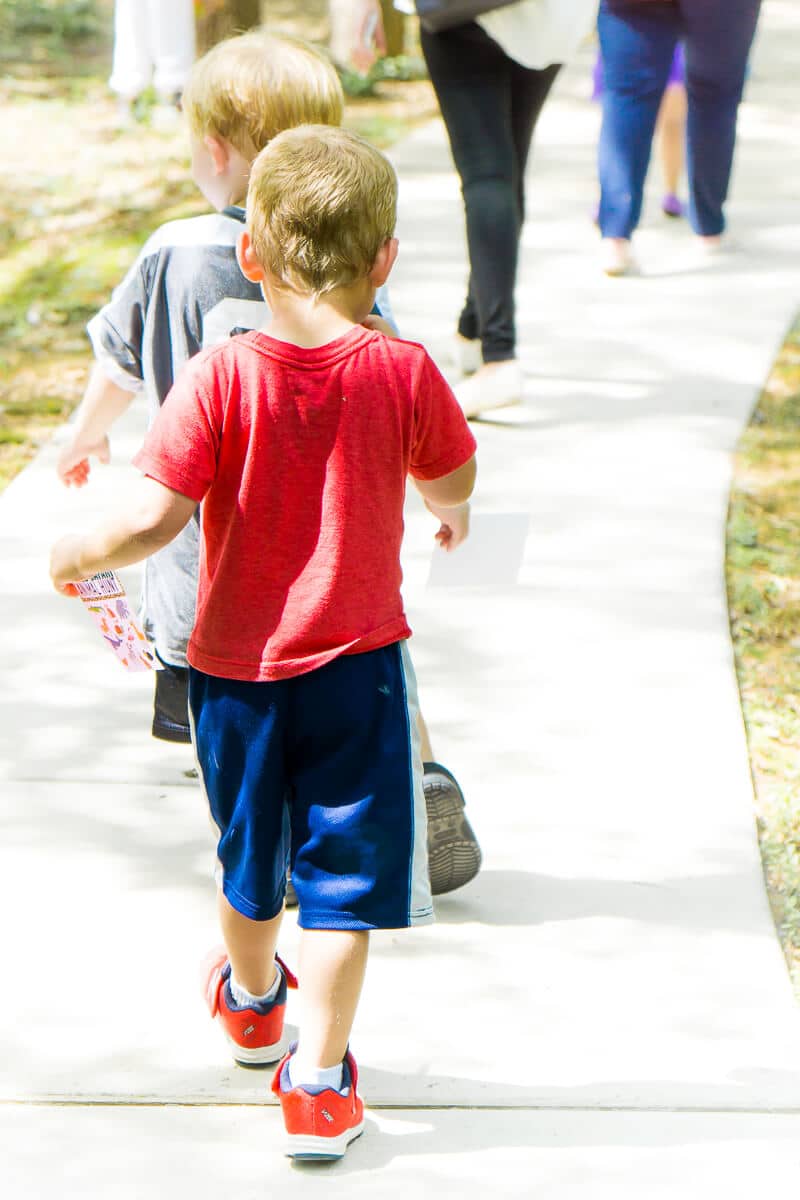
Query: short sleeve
<point x="443" y="441"/>
<point x="117" y="332"/>
<point x="182" y="445"/>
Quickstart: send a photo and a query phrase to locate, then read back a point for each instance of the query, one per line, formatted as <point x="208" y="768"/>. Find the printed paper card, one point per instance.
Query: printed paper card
<point x="104" y="597"/>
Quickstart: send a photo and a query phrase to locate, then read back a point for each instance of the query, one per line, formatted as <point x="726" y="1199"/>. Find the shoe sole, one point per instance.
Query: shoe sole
<point x="308" y="1148"/>
<point x="258" y="1056"/>
<point x="166" y="731"/>
<point x="454" y="856"/>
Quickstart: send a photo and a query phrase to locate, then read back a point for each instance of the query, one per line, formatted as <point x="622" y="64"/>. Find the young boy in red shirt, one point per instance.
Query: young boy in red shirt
<point x="298" y="441"/>
<point x="185" y="293"/>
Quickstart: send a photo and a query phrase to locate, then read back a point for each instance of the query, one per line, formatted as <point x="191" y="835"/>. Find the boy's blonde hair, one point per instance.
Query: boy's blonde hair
<point x="320" y="205"/>
<point x="249" y="88"/>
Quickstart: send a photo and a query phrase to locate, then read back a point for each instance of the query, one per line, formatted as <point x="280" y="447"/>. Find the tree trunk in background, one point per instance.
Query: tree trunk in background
<point x="394" y="23"/>
<point x="218" y="19"/>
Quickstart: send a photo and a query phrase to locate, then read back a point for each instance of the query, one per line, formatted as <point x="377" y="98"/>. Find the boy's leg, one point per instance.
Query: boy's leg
<point x="251" y="947"/>
<point x="245" y="985"/>
<point x="359" y="863"/>
<point x="317" y="1081"/>
<point x="332" y="966"/>
<point x="238" y="731"/>
<point x="169" y="595"/>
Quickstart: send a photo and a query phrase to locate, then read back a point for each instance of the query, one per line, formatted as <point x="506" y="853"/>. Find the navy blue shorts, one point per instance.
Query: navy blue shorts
<point x="322" y="770"/>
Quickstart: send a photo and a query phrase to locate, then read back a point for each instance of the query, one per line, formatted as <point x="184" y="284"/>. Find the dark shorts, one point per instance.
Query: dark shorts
<point x="322" y="771"/>
<point x="171" y="704"/>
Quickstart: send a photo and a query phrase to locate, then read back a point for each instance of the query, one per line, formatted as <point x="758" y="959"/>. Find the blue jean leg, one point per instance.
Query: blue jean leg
<point x="719" y="34"/>
<point x="637" y="45"/>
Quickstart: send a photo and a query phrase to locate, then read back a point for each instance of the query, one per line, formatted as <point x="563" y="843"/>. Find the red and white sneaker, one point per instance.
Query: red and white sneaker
<point x="320" y="1122"/>
<point x="256" y="1034"/>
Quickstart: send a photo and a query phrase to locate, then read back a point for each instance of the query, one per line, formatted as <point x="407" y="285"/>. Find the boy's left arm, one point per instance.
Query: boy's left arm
<point x="154" y="517"/>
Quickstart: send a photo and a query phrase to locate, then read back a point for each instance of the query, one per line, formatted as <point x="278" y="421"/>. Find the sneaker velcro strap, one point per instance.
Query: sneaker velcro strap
<point x="215" y="978"/>
<point x="291" y="978"/>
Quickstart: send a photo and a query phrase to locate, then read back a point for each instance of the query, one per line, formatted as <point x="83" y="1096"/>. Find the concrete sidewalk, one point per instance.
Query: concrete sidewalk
<point x="605" y="1009"/>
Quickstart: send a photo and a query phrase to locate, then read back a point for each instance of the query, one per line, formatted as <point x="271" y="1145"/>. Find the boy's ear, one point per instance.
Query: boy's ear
<point x="248" y="263"/>
<point x="219" y="152"/>
<point x="384" y="262"/>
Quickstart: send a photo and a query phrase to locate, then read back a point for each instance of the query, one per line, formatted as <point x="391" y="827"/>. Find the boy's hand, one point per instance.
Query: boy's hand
<point x="454" y="524"/>
<point x="379" y="324"/>
<point x="73" y="461"/>
<point x="64" y="560"/>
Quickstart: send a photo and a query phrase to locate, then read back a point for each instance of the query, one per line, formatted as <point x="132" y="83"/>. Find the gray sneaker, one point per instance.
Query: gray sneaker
<point x="454" y="856"/>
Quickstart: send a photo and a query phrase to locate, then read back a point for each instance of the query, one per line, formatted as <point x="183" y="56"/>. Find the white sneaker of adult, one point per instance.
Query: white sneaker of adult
<point x="467" y="354"/>
<point x="616" y="256"/>
<point x="710" y="247"/>
<point x="495" y="385"/>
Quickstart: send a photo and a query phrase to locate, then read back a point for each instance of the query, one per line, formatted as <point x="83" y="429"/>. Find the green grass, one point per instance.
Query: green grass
<point x="43" y="37"/>
<point x="763" y="575"/>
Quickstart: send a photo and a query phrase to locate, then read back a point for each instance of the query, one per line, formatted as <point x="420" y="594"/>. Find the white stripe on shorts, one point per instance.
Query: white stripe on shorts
<point x="420" y="901"/>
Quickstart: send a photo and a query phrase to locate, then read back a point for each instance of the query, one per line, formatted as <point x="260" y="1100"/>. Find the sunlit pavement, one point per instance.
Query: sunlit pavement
<point x="605" y="1010"/>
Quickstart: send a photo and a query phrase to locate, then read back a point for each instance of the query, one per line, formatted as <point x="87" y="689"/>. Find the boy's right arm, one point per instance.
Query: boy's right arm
<point x="103" y="401"/>
<point x="448" y="499"/>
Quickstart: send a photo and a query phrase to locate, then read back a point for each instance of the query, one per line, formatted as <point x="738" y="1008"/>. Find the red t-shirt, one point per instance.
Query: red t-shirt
<point x="300" y="457"/>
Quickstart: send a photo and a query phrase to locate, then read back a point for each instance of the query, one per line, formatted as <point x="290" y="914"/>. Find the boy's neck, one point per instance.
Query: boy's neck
<point x="310" y="321"/>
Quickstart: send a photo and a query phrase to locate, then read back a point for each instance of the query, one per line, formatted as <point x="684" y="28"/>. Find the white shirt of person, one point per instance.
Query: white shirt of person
<point x="535" y="33"/>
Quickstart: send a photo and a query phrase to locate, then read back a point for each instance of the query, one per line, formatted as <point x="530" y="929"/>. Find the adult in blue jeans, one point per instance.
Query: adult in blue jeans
<point x="637" y="40"/>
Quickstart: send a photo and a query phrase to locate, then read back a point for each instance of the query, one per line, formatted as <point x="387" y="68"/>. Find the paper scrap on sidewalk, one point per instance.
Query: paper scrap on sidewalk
<point x="491" y="556"/>
<point x="104" y="598"/>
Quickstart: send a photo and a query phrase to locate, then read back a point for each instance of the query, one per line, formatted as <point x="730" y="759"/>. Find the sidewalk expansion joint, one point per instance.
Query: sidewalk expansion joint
<point x="790" y="1110"/>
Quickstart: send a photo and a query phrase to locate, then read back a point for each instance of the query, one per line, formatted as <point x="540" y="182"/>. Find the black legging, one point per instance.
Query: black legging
<point x="490" y="105"/>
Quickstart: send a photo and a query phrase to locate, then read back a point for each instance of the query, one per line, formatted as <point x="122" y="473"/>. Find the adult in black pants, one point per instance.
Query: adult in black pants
<point x="490" y="104"/>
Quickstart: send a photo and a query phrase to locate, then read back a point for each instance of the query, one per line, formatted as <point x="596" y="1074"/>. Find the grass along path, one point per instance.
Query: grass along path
<point x="763" y="577"/>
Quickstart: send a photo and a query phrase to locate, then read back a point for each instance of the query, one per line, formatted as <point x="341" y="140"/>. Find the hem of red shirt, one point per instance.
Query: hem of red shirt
<point x="396" y="630"/>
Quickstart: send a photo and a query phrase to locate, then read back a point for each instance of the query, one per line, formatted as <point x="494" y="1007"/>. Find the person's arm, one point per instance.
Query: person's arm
<point x="443" y="455"/>
<point x="379" y="324"/>
<point x="448" y="499"/>
<point x="368" y="38"/>
<point x="154" y="516"/>
<point x="103" y="401"/>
